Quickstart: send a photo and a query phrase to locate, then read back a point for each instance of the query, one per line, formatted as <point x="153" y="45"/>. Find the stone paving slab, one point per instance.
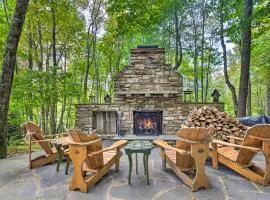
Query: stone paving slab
<point x="18" y="182"/>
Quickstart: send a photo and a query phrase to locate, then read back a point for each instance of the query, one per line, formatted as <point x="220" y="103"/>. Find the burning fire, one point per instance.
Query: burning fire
<point x="148" y="123"/>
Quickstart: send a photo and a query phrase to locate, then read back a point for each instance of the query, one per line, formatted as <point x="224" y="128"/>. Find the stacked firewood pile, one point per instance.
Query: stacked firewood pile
<point x="224" y="124"/>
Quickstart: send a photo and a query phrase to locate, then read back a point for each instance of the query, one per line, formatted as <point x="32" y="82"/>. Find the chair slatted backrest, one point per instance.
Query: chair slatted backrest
<point x="193" y="134"/>
<point x="261" y="130"/>
<point x="33" y="130"/>
<point x="93" y="162"/>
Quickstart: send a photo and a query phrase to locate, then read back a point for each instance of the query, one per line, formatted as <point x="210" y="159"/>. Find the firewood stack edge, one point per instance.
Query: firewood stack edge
<point x="224" y="124"/>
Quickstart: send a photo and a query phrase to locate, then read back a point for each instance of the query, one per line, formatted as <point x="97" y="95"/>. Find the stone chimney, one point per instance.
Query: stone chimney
<point x="147" y="55"/>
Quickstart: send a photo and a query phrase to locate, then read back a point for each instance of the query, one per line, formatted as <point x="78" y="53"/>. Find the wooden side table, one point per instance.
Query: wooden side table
<point x="139" y="146"/>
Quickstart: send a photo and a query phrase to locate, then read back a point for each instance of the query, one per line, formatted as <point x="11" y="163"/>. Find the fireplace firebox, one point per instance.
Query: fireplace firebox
<point x="147" y="123"/>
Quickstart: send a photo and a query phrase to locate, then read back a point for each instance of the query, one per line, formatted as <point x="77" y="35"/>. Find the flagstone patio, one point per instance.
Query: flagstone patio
<point x="18" y="182"/>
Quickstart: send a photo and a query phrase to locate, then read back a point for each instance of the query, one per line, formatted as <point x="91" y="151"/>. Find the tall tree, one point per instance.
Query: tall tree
<point x="178" y="35"/>
<point x="54" y="70"/>
<point x="245" y="58"/>
<point x="195" y="57"/>
<point x="95" y="7"/>
<point x="202" y="48"/>
<point x="267" y="98"/>
<point x="8" y="68"/>
<point x="224" y="55"/>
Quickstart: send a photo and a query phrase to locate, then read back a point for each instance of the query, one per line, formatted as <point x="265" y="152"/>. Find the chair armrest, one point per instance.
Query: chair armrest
<point x="118" y="144"/>
<point x="45" y="140"/>
<point x="71" y="142"/>
<point x="192" y="141"/>
<point x="181" y="151"/>
<point x="236" y="138"/>
<point x="236" y="145"/>
<point x="165" y="145"/>
<point x="161" y="143"/>
<point x="259" y="138"/>
<point x="53" y="135"/>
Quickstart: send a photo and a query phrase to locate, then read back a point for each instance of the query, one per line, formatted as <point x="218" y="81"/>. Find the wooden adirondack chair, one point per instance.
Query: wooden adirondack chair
<point x="36" y="134"/>
<point x="90" y="161"/>
<point x="257" y="139"/>
<point x="188" y="158"/>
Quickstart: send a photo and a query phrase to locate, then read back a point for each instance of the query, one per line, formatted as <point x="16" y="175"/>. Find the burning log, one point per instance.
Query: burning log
<point x="224" y="124"/>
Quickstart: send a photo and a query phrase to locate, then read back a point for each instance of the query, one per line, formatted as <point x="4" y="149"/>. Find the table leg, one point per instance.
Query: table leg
<point x="136" y="164"/>
<point x="147" y="172"/>
<point x="130" y="168"/>
<point x="144" y="164"/>
<point x="67" y="165"/>
<point x="60" y="156"/>
<point x="164" y="162"/>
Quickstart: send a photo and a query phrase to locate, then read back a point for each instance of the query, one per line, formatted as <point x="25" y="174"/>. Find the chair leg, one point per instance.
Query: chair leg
<point x="214" y="155"/>
<point x="163" y="158"/>
<point x="266" y="152"/>
<point x="30" y="153"/>
<point x="77" y="155"/>
<point x="60" y="157"/>
<point x="67" y="165"/>
<point x="130" y="168"/>
<point x="146" y="167"/>
<point x="199" y="153"/>
<point x="117" y="162"/>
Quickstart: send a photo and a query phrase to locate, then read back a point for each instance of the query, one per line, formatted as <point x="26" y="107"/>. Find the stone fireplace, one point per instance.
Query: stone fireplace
<point x="148" y="98"/>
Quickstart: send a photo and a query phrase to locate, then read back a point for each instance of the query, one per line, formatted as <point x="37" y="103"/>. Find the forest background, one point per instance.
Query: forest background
<point x="70" y="51"/>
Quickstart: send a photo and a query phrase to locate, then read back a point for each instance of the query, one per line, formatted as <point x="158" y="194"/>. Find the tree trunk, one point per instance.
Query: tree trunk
<point x="61" y="120"/>
<point x="195" y="62"/>
<point x="30" y="67"/>
<point x="245" y="59"/>
<point x="88" y="63"/>
<point x="68" y="113"/>
<point x="30" y="49"/>
<point x="40" y="68"/>
<point x="202" y="50"/>
<point x="176" y="24"/>
<point x="40" y="63"/>
<point x="249" y="113"/>
<point x="225" y="65"/>
<point x="208" y="71"/>
<point x="267" y="99"/>
<point x="8" y="70"/>
<point x="178" y="44"/>
<point x="53" y="107"/>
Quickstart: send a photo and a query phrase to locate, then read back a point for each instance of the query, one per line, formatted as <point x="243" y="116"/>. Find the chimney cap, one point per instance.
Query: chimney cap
<point x="147" y="46"/>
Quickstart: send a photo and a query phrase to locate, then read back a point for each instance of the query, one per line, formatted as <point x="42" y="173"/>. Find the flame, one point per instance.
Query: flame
<point x="148" y="123"/>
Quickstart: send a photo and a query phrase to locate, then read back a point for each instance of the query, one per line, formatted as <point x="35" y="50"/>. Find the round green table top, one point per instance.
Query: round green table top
<point x="139" y="145"/>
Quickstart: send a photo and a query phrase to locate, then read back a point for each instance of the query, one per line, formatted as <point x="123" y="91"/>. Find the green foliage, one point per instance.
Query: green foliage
<point x="123" y="25"/>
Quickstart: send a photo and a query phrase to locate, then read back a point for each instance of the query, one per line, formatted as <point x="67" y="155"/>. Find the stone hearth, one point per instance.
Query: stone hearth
<point x="147" y="84"/>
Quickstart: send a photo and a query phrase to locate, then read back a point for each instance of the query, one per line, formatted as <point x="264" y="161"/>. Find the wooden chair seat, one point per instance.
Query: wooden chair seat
<point x="107" y="157"/>
<point x="171" y="154"/>
<point x="229" y="152"/>
<point x="257" y="139"/>
<point x="188" y="158"/>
